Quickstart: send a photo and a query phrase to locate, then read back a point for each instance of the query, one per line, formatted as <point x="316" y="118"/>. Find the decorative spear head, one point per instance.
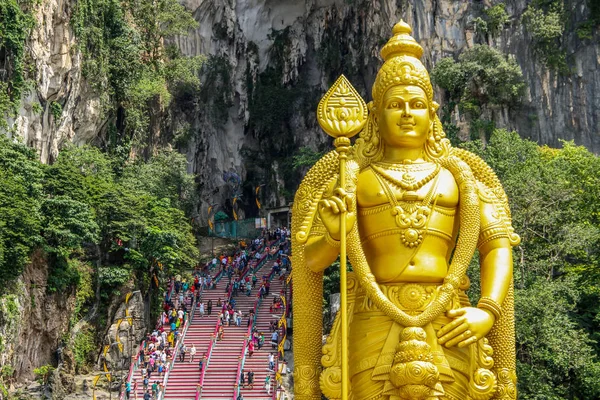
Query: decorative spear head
<point x="342" y="112"/>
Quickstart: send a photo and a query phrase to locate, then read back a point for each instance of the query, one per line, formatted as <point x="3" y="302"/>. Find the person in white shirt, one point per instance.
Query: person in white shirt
<point x="271" y="362"/>
<point x="192" y="352"/>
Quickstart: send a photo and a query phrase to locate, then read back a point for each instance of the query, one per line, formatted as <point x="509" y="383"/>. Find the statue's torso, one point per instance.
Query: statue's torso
<point x="389" y="258"/>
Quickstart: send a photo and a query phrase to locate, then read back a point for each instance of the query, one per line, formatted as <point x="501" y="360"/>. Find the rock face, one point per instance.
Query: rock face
<point x="59" y="80"/>
<point x="33" y="322"/>
<point x="126" y="332"/>
<point x="322" y="38"/>
<point x="264" y="53"/>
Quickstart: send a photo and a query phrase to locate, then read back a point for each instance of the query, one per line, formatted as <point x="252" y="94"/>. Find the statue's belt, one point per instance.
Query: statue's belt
<point x="412" y="298"/>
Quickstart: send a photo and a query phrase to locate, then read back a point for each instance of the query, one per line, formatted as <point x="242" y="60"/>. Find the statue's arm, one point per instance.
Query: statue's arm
<point x="323" y="245"/>
<point x="320" y="252"/>
<point x="496" y="269"/>
<point x="495" y="254"/>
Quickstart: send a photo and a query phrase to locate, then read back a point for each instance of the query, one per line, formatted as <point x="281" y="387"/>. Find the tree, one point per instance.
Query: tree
<point x="554" y="198"/>
<point x="20" y="196"/>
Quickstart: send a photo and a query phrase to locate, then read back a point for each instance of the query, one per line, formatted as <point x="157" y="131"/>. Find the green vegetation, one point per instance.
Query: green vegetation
<point x="545" y="22"/>
<point x="126" y="62"/>
<point x="482" y="77"/>
<point x="20" y="198"/>
<point x="43" y="373"/>
<point x="494" y="20"/>
<point x="273" y="103"/>
<point x="136" y="217"/>
<point x="55" y="110"/>
<point x="306" y="158"/>
<point x="99" y="224"/>
<point x="216" y="92"/>
<point x="554" y="196"/>
<point x="15" y="24"/>
<point x="84" y="349"/>
<point x="6" y="375"/>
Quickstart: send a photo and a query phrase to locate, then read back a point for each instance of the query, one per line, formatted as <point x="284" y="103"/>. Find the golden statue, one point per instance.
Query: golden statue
<point x="415" y="210"/>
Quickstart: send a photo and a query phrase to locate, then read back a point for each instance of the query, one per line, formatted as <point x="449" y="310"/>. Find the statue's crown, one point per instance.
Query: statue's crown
<point x="401" y="43"/>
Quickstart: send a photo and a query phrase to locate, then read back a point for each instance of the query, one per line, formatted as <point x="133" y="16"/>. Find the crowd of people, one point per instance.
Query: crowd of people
<point x="156" y="353"/>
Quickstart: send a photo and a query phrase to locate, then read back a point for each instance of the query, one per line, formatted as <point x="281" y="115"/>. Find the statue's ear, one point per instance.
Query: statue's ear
<point x="435" y="106"/>
<point x="372" y="111"/>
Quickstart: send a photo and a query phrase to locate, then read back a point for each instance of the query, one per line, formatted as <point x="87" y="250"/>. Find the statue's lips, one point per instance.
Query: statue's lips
<point x="407" y="127"/>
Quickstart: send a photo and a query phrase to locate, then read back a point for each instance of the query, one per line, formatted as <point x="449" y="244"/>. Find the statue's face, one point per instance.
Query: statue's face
<point x="403" y="118"/>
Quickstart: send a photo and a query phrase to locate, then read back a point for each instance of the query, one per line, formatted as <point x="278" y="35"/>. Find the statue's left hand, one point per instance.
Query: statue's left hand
<point x="470" y="324"/>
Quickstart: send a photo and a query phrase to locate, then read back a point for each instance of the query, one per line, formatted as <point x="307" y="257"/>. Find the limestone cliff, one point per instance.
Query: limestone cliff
<point x="269" y="61"/>
<point x="309" y="43"/>
<point x="33" y="322"/>
<point x="58" y="79"/>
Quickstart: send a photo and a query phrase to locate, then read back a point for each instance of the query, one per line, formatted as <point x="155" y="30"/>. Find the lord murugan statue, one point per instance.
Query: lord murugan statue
<point x="411" y="210"/>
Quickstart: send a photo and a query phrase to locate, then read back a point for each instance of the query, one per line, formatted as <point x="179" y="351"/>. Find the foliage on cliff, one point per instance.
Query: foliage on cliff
<point x="126" y="61"/>
<point x="482" y="77"/>
<point x="15" y="25"/>
<point x="80" y="206"/>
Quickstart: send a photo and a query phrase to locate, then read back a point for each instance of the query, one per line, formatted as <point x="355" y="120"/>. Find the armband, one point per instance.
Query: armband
<point x="489" y="304"/>
<point x="331" y="241"/>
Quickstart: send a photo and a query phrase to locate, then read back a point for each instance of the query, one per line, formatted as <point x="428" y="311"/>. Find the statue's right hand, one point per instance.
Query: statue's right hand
<point x="330" y="209"/>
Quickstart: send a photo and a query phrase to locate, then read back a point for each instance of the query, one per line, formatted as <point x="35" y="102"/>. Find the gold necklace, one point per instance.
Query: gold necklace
<point x="404" y="167"/>
<point x="412" y="218"/>
<point x="408" y="181"/>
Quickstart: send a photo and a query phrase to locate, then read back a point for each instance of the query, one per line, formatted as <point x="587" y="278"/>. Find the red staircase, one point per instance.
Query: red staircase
<point x="184" y="376"/>
<point x="221" y="375"/>
<point x="259" y="362"/>
<point x="137" y="384"/>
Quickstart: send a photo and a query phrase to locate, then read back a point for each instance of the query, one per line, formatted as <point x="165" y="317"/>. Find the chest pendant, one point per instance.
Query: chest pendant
<point x="410" y="215"/>
<point x="412" y="219"/>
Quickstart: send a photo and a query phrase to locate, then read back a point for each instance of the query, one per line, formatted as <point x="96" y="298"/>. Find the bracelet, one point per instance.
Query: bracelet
<point x="489" y="304"/>
<point x="331" y="241"/>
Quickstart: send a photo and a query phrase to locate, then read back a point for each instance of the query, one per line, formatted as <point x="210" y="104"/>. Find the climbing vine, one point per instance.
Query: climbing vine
<point x="16" y="23"/>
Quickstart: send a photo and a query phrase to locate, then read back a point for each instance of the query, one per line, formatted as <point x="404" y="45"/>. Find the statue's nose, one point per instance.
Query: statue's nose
<point x="406" y="110"/>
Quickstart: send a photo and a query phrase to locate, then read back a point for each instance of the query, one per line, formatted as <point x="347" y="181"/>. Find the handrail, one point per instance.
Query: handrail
<point x="242" y="356"/>
<point x="257" y="304"/>
<point x="276" y="383"/>
<point x="211" y="344"/>
<point x="213" y="338"/>
<point x="188" y="322"/>
<point x="249" y="331"/>
<point x="136" y="359"/>
<point x="180" y="339"/>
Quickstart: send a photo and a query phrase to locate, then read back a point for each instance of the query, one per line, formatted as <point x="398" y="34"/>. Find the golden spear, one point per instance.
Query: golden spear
<point x="342" y="113"/>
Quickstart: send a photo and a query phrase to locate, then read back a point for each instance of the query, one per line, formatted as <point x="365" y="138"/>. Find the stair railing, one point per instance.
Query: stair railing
<point x="242" y="357"/>
<point x="211" y="345"/>
<point x="180" y="339"/>
<point x="135" y="359"/>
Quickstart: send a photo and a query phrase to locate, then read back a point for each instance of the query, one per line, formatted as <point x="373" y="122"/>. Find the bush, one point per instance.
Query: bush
<point x="84" y="348"/>
<point x="546" y="28"/>
<point x="482" y="75"/>
<point x="20" y="195"/>
<point x="43" y="373"/>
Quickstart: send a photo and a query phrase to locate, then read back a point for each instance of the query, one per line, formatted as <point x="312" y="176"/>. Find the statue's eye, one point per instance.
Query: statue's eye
<point x="419" y="105"/>
<point x="394" y="104"/>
